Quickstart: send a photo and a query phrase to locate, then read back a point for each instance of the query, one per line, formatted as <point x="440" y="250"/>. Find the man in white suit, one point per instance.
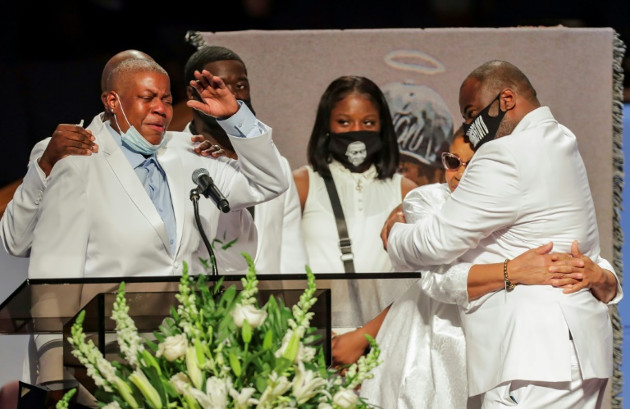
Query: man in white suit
<point x="278" y="221"/>
<point x="529" y="346"/>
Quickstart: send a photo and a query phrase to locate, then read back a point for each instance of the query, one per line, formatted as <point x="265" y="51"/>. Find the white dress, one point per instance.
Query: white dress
<point x="366" y="203"/>
<point x="421" y="340"/>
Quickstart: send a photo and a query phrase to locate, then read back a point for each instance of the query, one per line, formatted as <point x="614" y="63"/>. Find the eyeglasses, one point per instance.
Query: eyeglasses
<point x="452" y="161"/>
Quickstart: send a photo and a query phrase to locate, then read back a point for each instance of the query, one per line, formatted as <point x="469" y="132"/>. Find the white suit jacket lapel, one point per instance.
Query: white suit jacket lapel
<point x="174" y="169"/>
<point x="131" y="184"/>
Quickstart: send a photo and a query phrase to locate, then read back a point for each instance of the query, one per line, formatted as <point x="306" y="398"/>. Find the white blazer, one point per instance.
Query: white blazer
<point x="519" y="192"/>
<point x="94" y="218"/>
<point x="281" y="247"/>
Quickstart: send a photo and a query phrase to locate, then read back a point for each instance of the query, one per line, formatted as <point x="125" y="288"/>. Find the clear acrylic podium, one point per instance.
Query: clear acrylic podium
<point x="49" y="306"/>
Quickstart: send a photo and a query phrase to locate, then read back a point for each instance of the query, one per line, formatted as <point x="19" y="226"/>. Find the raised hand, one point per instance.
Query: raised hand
<point x="215" y="99"/>
<point x="67" y="140"/>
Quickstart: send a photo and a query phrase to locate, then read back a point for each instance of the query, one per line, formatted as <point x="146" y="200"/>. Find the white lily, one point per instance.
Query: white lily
<point x="243" y="399"/>
<point x="306" y="384"/>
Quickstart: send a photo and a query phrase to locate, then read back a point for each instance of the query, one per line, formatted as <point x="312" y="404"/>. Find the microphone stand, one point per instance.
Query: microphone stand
<point x="194" y="197"/>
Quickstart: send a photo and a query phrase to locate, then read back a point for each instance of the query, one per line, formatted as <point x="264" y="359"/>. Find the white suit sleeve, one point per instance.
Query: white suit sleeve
<point x="22" y="212"/>
<point x="445" y="283"/>
<point x="603" y="263"/>
<point x="482" y="203"/>
<point x="259" y="174"/>
<point x="236" y="226"/>
<point x="61" y="234"/>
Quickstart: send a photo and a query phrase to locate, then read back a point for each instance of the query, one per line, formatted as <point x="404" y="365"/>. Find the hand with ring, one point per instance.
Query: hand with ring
<point x="206" y="148"/>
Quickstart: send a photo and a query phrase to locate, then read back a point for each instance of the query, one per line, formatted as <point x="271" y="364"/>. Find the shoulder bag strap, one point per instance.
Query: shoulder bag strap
<point x="344" y="241"/>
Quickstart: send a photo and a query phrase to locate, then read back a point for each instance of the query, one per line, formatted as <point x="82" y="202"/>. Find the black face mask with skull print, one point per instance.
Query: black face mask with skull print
<point x="355" y="150"/>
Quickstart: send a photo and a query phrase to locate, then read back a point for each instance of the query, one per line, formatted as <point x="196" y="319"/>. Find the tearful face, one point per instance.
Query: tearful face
<point x="356" y="153"/>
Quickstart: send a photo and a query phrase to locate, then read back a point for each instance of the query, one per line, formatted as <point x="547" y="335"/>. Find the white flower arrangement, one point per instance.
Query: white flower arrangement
<point x="219" y="350"/>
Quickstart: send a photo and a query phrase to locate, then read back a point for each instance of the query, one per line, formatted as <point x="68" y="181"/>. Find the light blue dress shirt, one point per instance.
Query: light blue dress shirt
<point x="154" y="180"/>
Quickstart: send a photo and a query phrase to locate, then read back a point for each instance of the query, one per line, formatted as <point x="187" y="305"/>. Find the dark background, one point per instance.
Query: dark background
<point x="53" y="53"/>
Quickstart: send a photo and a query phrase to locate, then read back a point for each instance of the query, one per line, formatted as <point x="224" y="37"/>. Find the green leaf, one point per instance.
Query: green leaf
<point x="282" y="364"/>
<point x="235" y="364"/>
<point x="261" y="384"/>
<point x="268" y="341"/>
<point x="228" y="244"/>
<point x="246" y="332"/>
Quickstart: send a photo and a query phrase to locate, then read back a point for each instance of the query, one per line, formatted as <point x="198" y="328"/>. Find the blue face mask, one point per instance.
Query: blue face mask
<point x="134" y="140"/>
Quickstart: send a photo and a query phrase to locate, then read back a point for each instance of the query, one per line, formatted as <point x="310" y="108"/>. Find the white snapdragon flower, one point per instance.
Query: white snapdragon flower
<point x="253" y="315"/>
<point x="243" y="399"/>
<point x="306" y="354"/>
<point x="306" y="384"/>
<point x="173" y="347"/>
<point x="129" y="341"/>
<point x="324" y="405"/>
<point x="113" y="405"/>
<point x="345" y="399"/>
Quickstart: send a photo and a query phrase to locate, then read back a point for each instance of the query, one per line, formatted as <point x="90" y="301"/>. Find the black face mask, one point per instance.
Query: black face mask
<point x="484" y="127"/>
<point x="355" y="150"/>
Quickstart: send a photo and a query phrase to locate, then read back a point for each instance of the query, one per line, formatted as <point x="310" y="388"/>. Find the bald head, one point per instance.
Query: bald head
<point x="122" y="74"/>
<point x="495" y="75"/>
<point x="117" y="59"/>
<point x="109" y="67"/>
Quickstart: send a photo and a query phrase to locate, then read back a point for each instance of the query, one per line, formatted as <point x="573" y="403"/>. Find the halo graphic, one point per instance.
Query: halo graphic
<point x="425" y="65"/>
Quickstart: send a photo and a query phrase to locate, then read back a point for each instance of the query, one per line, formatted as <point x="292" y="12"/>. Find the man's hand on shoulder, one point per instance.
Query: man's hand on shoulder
<point x="67" y="140"/>
<point x="204" y="147"/>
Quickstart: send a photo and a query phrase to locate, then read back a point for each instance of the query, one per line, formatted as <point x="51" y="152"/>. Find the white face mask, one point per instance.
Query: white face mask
<point x="134" y="140"/>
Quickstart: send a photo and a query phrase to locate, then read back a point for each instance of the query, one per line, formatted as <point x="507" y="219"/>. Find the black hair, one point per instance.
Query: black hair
<point x="386" y="160"/>
<point x="206" y="55"/>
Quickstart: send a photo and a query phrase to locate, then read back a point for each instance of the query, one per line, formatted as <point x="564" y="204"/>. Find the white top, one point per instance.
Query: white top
<point x="366" y="203"/>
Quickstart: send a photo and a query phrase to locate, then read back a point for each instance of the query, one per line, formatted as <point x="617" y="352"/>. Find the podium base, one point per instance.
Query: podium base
<point x="35" y="397"/>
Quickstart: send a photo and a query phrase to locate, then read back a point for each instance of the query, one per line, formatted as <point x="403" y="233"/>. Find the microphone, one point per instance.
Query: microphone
<point x="201" y="177"/>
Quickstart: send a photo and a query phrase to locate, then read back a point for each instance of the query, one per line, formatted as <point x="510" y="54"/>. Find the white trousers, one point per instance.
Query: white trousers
<point x="579" y="393"/>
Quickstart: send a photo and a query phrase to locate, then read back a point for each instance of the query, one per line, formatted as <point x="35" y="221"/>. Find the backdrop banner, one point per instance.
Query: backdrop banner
<point x="576" y="72"/>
